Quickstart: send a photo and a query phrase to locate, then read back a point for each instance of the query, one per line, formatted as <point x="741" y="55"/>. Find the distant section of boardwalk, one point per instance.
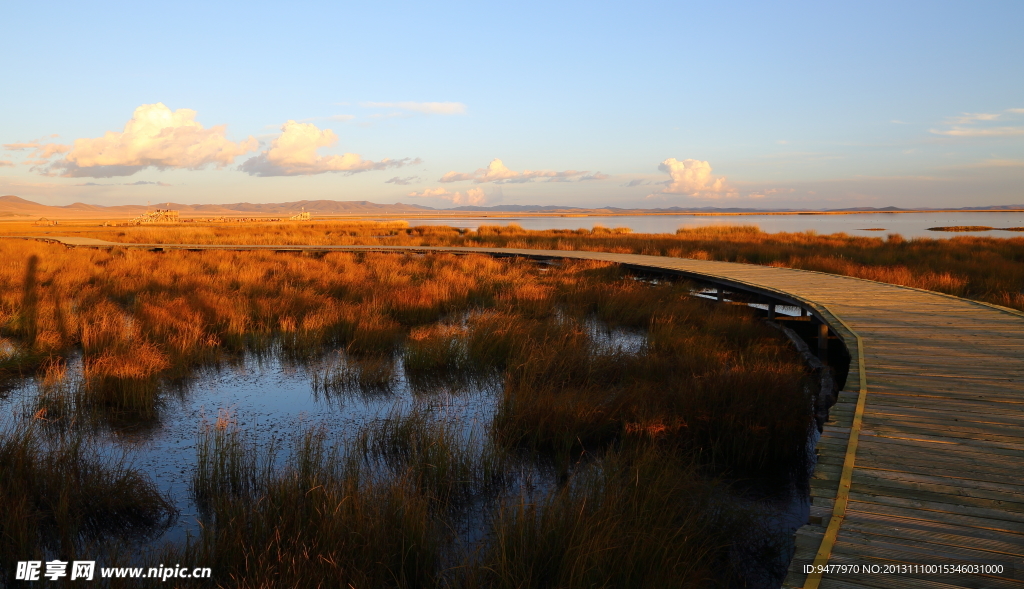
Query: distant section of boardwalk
<point x="922" y="461"/>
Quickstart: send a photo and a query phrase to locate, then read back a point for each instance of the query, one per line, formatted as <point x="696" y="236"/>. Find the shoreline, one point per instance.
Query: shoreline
<point x="442" y="215"/>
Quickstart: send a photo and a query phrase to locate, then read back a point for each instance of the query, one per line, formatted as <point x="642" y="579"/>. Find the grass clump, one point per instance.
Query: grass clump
<point x="639" y="518"/>
<point x="322" y="518"/>
<point x="60" y="496"/>
<point x="344" y="375"/>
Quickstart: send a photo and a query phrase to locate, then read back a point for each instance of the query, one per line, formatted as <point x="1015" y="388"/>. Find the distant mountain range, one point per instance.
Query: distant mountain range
<point x="13" y="206"/>
<point x="17" y="207"/>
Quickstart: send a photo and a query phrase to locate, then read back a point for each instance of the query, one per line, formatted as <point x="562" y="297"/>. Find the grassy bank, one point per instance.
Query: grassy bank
<point x="981" y="268"/>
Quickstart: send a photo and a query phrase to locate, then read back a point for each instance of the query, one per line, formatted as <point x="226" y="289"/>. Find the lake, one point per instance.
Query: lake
<point x="906" y="224"/>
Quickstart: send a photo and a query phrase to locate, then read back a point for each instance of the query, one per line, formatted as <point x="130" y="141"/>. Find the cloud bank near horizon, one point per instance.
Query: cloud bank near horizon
<point x="473" y="196"/>
<point x="498" y="172"/>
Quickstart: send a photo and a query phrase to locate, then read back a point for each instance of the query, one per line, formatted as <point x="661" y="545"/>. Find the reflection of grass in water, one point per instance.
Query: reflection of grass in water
<point x="59" y="496"/>
<point x="342" y="375"/>
<point x="324" y="516"/>
<point x="961" y="228"/>
<point x="384" y="513"/>
<point x="638" y="518"/>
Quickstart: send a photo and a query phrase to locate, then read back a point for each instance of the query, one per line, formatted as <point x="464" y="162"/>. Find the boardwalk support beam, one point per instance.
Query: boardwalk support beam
<point x="823" y="341"/>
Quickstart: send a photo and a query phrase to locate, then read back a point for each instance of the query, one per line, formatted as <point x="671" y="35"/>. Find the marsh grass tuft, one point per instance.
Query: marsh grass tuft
<point x="342" y="375"/>
<point x="638" y="518"/>
<point x="59" y="495"/>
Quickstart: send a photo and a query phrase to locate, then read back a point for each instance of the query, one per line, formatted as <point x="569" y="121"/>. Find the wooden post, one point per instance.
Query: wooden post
<point x="823" y="341"/>
<point x="721" y="294"/>
<point x="803" y="312"/>
<point x="771" y="311"/>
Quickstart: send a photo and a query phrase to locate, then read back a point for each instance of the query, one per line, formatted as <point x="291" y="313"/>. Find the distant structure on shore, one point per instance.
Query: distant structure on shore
<point x="157" y="216"/>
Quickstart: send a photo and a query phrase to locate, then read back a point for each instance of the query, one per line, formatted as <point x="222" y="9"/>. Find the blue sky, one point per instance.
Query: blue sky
<point x="639" y="104"/>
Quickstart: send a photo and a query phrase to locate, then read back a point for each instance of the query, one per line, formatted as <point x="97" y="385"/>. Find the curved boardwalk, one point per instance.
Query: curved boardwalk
<point x="922" y="460"/>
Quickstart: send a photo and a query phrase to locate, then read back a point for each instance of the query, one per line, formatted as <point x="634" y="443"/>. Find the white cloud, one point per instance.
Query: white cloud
<point x="432" y="192"/>
<point x="41" y="152"/>
<point x="498" y="172"/>
<point x="139" y="183"/>
<point x="402" y="181"/>
<point x="980" y="131"/>
<point x="693" y="178"/>
<point x="978" y="125"/>
<point x="341" y="117"/>
<point x="969" y="118"/>
<point x="770" y="191"/>
<point x="293" y="153"/>
<point x="155" y="136"/>
<point x="473" y="196"/>
<point x="430" y="108"/>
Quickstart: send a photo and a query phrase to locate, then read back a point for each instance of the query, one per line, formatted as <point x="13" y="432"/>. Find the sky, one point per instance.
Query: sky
<point x="628" y="104"/>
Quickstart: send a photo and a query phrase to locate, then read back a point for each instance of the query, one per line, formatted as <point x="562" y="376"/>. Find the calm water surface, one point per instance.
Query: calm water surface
<point x="906" y="224"/>
<point x="272" y="401"/>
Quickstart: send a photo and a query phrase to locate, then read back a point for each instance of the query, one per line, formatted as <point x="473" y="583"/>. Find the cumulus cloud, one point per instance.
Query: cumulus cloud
<point x="430" y="108"/>
<point x="402" y="181"/>
<point x="155" y="136"/>
<point x="692" y="178"/>
<point x="473" y="196"/>
<point x="40" y="151"/>
<point x="293" y="153"/>
<point x="499" y="173"/>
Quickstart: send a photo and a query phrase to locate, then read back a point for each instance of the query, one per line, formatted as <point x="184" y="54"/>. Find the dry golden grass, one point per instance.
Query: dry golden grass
<point x="711" y="390"/>
<point x="981" y="268"/>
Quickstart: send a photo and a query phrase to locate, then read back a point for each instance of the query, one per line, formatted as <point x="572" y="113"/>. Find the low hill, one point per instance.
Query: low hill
<point x="16" y="207"/>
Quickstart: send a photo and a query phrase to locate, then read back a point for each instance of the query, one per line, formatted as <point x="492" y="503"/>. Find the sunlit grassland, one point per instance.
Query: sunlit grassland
<point x="982" y="268"/>
<point x="643" y="442"/>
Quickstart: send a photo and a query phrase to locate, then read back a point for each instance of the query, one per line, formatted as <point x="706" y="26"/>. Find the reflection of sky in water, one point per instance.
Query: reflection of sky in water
<point x="906" y="224"/>
<point x="271" y="401"/>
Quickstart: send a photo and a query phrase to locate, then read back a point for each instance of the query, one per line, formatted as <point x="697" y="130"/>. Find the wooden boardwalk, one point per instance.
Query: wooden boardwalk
<point x="922" y="460"/>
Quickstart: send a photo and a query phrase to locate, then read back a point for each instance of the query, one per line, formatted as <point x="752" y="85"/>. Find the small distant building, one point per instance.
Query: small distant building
<point x="157" y="216"/>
